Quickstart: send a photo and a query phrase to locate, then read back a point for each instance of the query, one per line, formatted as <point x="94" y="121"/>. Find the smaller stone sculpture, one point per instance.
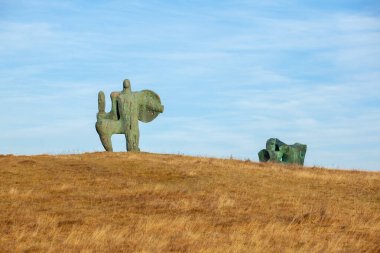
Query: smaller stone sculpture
<point x="277" y="151"/>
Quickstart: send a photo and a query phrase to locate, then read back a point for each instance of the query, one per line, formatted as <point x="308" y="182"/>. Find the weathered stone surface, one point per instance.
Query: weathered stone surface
<point x="127" y="109"/>
<point x="277" y="151"/>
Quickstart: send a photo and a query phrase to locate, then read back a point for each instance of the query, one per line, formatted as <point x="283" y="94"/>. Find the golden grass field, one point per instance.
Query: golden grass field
<point x="140" y="202"/>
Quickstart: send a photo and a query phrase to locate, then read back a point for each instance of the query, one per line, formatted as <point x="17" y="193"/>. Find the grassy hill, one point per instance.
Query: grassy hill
<point x="139" y="202"/>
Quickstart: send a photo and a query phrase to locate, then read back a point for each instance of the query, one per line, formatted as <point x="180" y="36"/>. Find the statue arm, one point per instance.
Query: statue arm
<point x="101" y="106"/>
<point x="115" y="111"/>
<point x="101" y="102"/>
<point x="155" y="107"/>
<point x="120" y="108"/>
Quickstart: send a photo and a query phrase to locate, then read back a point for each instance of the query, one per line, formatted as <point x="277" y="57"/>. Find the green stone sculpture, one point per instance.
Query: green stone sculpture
<point x="127" y="109"/>
<point x="277" y="151"/>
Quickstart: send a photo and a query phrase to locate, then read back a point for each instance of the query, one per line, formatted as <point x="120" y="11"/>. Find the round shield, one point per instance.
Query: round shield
<point x="149" y="105"/>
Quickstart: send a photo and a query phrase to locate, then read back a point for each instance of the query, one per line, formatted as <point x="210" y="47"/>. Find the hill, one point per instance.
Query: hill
<point x="141" y="202"/>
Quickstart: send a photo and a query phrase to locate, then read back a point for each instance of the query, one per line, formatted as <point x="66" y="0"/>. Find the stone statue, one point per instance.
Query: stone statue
<point x="277" y="151"/>
<point x="127" y="109"/>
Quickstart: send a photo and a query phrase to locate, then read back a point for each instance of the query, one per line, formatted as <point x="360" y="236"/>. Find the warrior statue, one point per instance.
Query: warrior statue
<point x="127" y="109"/>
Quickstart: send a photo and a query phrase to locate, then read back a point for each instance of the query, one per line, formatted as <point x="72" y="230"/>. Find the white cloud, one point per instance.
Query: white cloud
<point x="23" y="36"/>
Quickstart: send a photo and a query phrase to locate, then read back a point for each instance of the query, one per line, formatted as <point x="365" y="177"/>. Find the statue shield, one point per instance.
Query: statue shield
<point x="149" y="105"/>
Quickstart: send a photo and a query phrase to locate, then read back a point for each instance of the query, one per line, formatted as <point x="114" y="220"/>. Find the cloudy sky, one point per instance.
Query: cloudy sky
<point x="231" y="74"/>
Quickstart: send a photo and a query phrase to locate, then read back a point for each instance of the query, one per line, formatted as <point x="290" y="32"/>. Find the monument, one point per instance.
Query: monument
<point x="127" y="109"/>
<point x="277" y="151"/>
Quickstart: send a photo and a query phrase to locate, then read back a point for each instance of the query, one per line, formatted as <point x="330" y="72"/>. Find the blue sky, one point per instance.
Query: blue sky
<point x="231" y="74"/>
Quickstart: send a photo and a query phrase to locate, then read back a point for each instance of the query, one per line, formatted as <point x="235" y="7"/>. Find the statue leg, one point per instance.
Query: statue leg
<point x="128" y="142"/>
<point x="106" y="141"/>
<point x="132" y="138"/>
<point x="104" y="134"/>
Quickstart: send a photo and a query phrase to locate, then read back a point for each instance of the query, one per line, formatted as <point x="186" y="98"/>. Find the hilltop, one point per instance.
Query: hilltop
<point x="141" y="202"/>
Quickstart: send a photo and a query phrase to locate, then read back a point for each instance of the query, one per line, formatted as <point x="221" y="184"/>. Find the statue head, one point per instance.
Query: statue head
<point x="126" y="85"/>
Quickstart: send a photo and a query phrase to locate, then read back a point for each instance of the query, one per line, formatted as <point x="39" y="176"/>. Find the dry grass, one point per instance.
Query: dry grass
<point x="130" y="202"/>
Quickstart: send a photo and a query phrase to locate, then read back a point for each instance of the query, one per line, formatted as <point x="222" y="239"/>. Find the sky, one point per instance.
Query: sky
<point x="231" y="74"/>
